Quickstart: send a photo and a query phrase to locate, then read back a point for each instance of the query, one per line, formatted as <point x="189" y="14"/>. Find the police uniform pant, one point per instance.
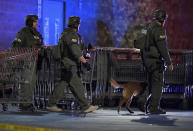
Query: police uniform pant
<point x="27" y="89"/>
<point x="155" y="83"/>
<point x="76" y="87"/>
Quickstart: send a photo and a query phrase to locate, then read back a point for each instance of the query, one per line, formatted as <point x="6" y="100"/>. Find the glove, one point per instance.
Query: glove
<point x="87" y="66"/>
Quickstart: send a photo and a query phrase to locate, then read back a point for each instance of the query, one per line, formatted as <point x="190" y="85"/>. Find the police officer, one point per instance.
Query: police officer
<point x="155" y="57"/>
<point x="69" y="52"/>
<point x="28" y="37"/>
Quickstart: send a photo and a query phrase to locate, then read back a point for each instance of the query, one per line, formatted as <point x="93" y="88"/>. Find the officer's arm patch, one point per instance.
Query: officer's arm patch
<point x="60" y="37"/>
<point x="144" y="31"/>
<point x="74" y="40"/>
<point x="162" y="36"/>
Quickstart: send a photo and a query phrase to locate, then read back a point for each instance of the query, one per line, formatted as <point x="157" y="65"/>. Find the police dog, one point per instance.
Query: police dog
<point x="130" y="89"/>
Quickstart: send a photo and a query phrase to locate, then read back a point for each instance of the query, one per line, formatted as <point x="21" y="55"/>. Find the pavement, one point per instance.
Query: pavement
<point x="103" y="119"/>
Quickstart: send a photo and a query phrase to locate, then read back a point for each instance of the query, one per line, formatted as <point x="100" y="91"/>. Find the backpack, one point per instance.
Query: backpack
<point x="141" y="41"/>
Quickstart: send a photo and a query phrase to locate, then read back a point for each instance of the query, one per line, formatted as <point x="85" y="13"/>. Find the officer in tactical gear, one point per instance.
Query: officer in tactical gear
<point x="28" y="37"/>
<point x="155" y="57"/>
<point x="69" y="52"/>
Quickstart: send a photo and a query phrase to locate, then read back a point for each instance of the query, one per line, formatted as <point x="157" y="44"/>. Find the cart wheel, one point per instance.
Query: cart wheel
<point x="5" y="107"/>
<point x="14" y="104"/>
<point x="184" y="104"/>
<point x="34" y="109"/>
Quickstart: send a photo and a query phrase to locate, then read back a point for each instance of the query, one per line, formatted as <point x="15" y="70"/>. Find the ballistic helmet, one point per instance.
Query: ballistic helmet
<point x="160" y="15"/>
<point x="29" y="19"/>
<point x="73" y="22"/>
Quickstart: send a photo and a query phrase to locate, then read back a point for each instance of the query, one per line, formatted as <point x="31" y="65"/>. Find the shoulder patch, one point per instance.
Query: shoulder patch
<point x="36" y="37"/>
<point x="17" y="39"/>
<point x="60" y="36"/>
<point x="162" y="36"/>
<point x="74" y="40"/>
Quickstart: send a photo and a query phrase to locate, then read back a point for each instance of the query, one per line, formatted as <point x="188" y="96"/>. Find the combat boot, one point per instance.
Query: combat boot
<point x="140" y="106"/>
<point x="156" y="111"/>
<point x="90" y="109"/>
<point x="53" y="108"/>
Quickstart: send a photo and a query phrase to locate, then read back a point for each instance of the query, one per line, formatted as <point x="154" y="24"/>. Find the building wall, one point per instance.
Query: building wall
<point x="106" y="22"/>
<point x="179" y="24"/>
<point x="113" y="21"/>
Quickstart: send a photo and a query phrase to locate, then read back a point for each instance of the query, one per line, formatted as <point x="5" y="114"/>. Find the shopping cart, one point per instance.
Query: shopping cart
<point x="17" y="66"/>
